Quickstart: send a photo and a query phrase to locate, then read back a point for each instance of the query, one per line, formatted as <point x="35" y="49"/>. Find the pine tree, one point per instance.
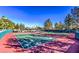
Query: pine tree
<point x="75" y="14"/>
<point x="48" y="25"/>
<point x="59" y="26"/>
<point x="69" y="22"/>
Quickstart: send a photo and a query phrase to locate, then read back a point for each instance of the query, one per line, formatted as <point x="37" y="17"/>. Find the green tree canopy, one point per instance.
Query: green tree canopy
<point x="22" y="26"/>
<point x="59" y="26"/>
<point x="75" y="14"/>
<point x="48" y="24"/>
<point x="6" y="23"/>
<point x="69" y="22"/>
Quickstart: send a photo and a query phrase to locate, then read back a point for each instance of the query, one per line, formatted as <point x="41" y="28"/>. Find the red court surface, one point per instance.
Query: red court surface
<point x="3" y="42"/>
<point x="72" y="45"/>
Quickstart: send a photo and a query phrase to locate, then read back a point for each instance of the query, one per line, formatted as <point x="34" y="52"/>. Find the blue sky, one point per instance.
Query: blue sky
<point x="35" y="15"/>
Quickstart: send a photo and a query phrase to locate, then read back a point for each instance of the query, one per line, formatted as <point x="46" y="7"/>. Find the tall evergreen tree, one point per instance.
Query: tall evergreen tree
<point x="48" y="25"/>
<point x="75" y="14"/>
<point x="59" y="26"/>
<point x="17" y="26"/>
<point x="22" y="26"/>
<point x="69" y="22"/>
